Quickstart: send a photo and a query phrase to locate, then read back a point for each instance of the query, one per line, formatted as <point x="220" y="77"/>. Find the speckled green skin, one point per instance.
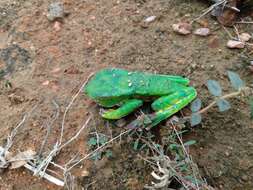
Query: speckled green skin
<point x="118" y="87"/>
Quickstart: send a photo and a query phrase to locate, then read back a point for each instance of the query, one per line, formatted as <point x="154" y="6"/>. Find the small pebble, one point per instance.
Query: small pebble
<point x="245" y="178"/>
<point x="182" y="28"/>
<point x="244" y="37"/>
<point x="45" y="83"/>
<point x="233" y="44"/>
<point x="57" y="26"/>
<point x="150" y="19"/>
<point x="227" y="153"/>
<point x="85" y="173"/>
<point x="202" y="32"/>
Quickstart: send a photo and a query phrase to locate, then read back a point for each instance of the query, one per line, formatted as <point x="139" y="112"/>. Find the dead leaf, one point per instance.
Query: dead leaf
<point x="233" y="44"/>
<point x="244" y="37"/>
<point x="228" y="16"/>
<point x="202" y="32"/>
<point x="21" y="158"/>
<point x="182" y="28"/>
<point x="204" y="23"/>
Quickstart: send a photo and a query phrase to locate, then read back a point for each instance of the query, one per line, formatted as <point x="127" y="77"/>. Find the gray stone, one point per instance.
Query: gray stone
<point x="55" y="11"/>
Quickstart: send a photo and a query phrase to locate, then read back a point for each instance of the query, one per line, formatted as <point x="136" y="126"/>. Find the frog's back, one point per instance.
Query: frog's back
<point x="109" y="83"/>
<point x="114" y="82"/>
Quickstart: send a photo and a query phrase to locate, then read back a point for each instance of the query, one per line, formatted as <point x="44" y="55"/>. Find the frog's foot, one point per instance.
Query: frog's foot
<point x="165" y="107"/>
<point x="126" y="108"/>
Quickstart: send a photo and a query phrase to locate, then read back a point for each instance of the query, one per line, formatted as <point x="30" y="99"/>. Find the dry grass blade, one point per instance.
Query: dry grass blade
<point x="99" y="148"/>
<point x="70" y="104"/>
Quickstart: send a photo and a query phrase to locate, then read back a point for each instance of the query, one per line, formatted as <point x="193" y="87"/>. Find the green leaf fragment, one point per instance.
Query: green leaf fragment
<point x="235" y="80"/>
<point x="108" y="154"/>
<point x="92" y="141"/>
<point x="103" y="140"/>
<point x="96" y="156"/>
<point x="196" y="105"/>
<point x="195" y="119"/>
<point x="136" y="144"/>
<point x="214" y="87"/>
<point x="189" y="143"/>
<point x="223" y="105"/>
<point x="174" y="146"/>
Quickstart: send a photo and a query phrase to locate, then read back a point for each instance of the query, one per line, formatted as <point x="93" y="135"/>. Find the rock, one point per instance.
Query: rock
<point x="55" y="11"/>
<point x="202" y="32"/>
<point x="233" y="44"/>
<point x="244" y="37"/>
<point x="182" y="28"/>
<point x="244" y="178"/>
<point x="150" y="19"/>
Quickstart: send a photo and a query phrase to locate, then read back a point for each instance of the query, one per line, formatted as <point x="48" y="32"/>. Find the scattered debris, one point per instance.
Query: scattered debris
<point x="33" y="169"/>
<point x="121" y="122"/>
<point x="244" y="37"/>
<point x="233" y="44"/>
<point x="16" y="98"/>
<point x="202" y="32"/>
<point x="150" y="19"/>
<point x="55" y="11"/>
<point x="228" y="14"/>
<point x="182" y="28"/>
<point x="21" y="158"/>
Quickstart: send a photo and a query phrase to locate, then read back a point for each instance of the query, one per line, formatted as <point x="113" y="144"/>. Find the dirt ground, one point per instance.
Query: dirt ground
<point x="41" y="61"/>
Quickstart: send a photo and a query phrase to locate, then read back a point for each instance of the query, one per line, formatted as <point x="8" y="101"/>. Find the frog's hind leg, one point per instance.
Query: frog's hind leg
<point x="178" y="79"/>
<point x="166" y="106"/>
<point x="126" y="108"/>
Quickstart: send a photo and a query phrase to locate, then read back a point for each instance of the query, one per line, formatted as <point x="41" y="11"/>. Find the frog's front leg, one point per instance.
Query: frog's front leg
<point x="127" y="107"/>
<point x="166" y="106"/>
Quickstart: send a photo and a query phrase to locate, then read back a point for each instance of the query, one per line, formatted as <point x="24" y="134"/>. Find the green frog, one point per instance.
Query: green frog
<point x="127" y="90"/>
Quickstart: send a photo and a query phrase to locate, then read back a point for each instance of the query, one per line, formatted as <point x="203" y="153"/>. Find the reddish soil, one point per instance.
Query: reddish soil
<point x="44" y="61"/>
